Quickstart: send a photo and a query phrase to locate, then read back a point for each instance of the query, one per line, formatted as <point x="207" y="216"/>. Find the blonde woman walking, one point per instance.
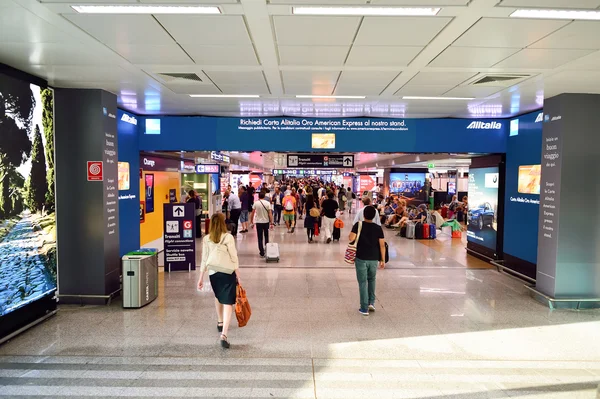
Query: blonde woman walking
<point x="219" y="257"/>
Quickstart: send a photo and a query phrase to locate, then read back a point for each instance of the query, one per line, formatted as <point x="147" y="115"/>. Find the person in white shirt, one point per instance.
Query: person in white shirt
<point x="360" y="217"/>
<point x="262" y="217"/>
<point x="437" y="217"/>
<point x="235" y="210"/>
<point x="224" y="283"/>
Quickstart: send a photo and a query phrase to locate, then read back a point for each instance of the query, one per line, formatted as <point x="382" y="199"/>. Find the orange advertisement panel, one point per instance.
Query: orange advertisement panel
<point x="529" y="179"/>
<point x="367" y="183"/>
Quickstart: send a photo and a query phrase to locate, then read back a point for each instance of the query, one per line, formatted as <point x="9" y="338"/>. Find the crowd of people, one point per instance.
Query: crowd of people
<point x="318" y="204"/>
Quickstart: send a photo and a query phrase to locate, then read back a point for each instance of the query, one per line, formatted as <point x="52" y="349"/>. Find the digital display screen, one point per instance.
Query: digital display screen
<point x="483" y="206"/>
<point x="123" y="175"/>
<point x="409" y="186"/>
<point x="529" y="179"/>
<point x="323" y="140"/>
<point x="452" y="187"/>
<point x="152" y="126"/>
<point x="28" y="234"/>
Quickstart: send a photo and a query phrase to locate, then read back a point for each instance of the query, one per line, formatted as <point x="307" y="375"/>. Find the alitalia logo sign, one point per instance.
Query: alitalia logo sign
<point x="485" y="125"/>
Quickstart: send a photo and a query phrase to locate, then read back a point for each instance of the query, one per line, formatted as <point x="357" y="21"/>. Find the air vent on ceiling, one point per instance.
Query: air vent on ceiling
<point x="498" y="79"/>
<point x="173" y="77"/>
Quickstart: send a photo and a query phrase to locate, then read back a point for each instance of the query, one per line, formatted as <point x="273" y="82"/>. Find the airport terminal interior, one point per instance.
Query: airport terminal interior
<point x="388" y="198"/>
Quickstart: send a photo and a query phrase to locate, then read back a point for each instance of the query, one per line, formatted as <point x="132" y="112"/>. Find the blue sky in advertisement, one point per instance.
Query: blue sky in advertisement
<point x="352" y="134"/>
<point x="524" y="151"/>
<point x="483" y="206"/>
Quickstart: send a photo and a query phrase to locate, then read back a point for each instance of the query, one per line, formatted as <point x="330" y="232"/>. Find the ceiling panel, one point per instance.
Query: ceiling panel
<point x="424" y="91"/>
<point x="504" y="32"/>
<point x="315" y="31"/>
<point x="471" y="57"/>
<point x="426" y="3"/>
<point x="18" y="25"/>
<point x="206" y="29"/>
<point x="321" y="2"/>
<point x="50" y="54"/>
<point x="236" y="77"/>
<point x="399" y="31"/>
<point x="114" y="29"/>
<point x="81" y="73"/>
<point x="382" y="55"/>
<point x="255" y="88"/>
<point x="552" y="3"/>
<point x="382" y="78"/>
<point x="577" y="35"/>
<point x="310" y="77"/>
<point x="472" y="91"/>
<point x="325" y="89"/>
<point x="221" y="55"/>
<point x="154" y="54"/>
<point x="313" y="55"/>
<point x="542" y="58"/>
<point x="358" y="90"/>
<point x="192" y="89"/>
<point x="440" y="78"/>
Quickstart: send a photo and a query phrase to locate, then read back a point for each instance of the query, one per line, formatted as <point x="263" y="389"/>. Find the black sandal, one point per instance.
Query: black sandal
<point x="224" y="342"/>
<point x="220" y="326"/>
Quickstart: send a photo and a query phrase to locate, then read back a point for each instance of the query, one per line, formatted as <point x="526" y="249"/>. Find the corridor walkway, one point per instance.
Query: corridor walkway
<point x="441" y="330"/>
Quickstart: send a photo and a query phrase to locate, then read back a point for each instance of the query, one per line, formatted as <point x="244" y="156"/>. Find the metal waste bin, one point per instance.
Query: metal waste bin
<point x="140" y="278"/>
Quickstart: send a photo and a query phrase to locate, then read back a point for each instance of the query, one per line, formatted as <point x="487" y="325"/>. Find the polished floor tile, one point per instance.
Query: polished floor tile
<point x="445" y="326"/>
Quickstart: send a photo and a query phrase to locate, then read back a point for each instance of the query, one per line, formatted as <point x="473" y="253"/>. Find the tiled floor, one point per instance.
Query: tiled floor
<point x="441" y="330"/>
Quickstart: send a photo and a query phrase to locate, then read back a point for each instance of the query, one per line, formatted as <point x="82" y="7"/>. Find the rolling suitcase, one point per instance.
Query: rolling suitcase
<point x="336" y="234"/>
<point x="410" y="230"/>
<point x="419" y="230"/>
<point x="425" y="231"/>
<point x="432" y="232"/>
<point x="403" y="231"/>
<point x="272" y="254"/>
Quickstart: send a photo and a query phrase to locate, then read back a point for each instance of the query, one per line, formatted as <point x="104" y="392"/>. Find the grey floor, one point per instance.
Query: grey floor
<point x="443" y="328"/>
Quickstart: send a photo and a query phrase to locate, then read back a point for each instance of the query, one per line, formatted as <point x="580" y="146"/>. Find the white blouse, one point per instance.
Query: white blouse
<point x="208" y="245"/>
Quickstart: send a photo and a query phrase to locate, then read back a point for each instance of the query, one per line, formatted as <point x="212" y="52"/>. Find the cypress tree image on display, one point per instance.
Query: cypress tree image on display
<point x="37" y="186"/>
<point x="48" y="125"/>
<point x="15" y="145"/>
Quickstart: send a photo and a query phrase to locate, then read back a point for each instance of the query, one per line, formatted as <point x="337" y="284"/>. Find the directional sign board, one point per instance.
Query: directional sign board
<point x="320" y="161"/>
<point x="178" y="211"/>
<point x="180" y="244"/>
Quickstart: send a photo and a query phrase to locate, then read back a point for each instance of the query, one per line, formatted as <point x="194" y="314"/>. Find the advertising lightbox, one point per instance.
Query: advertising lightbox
<point x="483" y="206"/>
<point x="123" y="175"/>
<point x="529" y="179"/>
<point x="409" y="186"/>
<point x="27" y="202"/>
<point x="323" y="140"/>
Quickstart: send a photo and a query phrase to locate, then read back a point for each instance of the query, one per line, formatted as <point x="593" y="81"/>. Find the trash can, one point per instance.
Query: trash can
<point x="140" y="278"/>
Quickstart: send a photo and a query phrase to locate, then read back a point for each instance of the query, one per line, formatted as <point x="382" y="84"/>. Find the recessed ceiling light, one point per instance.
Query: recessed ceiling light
<point x="438" y="98"/>
<point x="339" y="97"/>
<point x="144" y="9"/>
<point x="224" y="95"/>
<point x="370" y="11"/>
<point x="557" y="14"/>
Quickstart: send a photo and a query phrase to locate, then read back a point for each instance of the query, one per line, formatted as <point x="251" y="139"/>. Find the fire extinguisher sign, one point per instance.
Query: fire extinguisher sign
<point x="95" y="171"/>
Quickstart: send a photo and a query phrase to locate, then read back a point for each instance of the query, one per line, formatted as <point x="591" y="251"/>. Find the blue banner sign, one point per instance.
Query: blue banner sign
<point x="180" y="133"/>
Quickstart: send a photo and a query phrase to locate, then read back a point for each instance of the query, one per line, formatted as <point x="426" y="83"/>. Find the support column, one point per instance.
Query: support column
<point x="569" y="232"/>
<point x="87" y="204"/>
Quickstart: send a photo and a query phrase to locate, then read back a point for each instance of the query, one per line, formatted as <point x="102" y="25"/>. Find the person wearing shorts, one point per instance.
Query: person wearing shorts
<point x="289" y="211"/>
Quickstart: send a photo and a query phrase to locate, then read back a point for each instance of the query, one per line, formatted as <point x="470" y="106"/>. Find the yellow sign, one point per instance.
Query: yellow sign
<point x="529" y="179"/>
<point x="323" y="140"/>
